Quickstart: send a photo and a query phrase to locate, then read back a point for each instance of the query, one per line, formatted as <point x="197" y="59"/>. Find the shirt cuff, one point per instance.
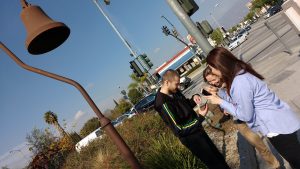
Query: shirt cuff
<point x="226" y="106"/>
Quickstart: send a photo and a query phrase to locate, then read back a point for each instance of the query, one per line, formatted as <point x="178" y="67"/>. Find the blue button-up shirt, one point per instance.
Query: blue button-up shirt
<point x="254" y="103"/>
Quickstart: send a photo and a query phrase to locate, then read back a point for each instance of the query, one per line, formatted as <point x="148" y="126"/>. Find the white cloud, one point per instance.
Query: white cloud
<point x="156" y="50"/>
<point x="78" y="115"/>
<point x="81" y="117"/>
<point x="78" y="118"/>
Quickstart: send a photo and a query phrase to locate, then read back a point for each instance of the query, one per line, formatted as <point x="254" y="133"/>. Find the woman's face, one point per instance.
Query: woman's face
<point x="215" y="71"/>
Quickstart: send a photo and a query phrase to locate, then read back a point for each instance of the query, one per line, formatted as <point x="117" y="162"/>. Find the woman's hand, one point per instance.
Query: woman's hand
<point x="211" y="89"/>
<point x="202" y="111"/>
<point x="214" y="99"/>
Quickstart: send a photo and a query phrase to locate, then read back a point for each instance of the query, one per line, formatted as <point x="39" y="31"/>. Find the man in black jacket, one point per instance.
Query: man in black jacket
<point x="177" y="112"/>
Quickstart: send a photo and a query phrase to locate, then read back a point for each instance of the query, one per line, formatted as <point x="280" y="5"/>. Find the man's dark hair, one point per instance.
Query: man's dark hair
<point x="169" y="75"/>
<point x="207" y="71"/>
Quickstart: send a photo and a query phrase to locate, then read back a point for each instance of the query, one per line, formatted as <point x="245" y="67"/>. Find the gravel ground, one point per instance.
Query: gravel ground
<point x="226" y="144"/>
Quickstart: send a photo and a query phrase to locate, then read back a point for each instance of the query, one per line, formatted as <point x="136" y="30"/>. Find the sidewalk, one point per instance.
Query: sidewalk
<point x="282" y="74"/>
<point x="197" y="72"/>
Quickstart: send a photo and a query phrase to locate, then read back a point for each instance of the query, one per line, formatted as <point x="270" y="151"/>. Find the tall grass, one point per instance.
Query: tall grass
<point x="150" y="140"/>
<point x="168" y="153"/>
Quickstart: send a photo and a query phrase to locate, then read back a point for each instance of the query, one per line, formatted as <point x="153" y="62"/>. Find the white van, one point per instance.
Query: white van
<point x="86" y="140"/>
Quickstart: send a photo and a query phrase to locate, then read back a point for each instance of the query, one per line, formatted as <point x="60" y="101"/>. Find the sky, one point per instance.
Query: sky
<point x="93" y="55"/>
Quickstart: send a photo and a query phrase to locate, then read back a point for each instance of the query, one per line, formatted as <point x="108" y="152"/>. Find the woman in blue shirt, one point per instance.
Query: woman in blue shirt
<point x="254" y="103"/>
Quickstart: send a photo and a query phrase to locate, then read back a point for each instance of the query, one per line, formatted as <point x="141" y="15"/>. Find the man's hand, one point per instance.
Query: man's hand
<point x="202" y="111"/>
<point x="197" y="99"/>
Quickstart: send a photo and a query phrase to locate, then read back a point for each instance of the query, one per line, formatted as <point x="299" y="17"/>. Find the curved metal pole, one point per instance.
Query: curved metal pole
<point x="173" y="27"/>
<point x="168" y="21"/>
<point x="180" y="40"/>
<point x="105" y="122"/>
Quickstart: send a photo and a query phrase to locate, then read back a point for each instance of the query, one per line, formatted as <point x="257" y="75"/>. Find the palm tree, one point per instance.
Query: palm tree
<point x="51" y="119"/>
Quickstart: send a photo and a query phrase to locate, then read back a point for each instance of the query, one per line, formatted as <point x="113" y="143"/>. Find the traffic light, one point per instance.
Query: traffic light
<point x="206" y="27"/>
<point x="175" y="33"/>
<point x="199" y="26"/>
<point x="166" y="30"/>
<point x="145" y="61"/>
<point x="189" y="6"/>
<point x="136" y="70"/>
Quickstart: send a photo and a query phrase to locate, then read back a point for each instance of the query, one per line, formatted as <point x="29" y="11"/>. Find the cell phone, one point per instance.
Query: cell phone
<point x="205" y="92"/>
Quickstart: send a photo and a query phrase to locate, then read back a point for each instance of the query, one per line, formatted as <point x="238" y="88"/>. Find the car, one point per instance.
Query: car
<point x="97" y="134"/>
<point x="243" y="31"/>
<point x="247" y="28"/>
<point x="156" y="86"/>
<point x="272" y="11"/>
<point x="144" y="104"/>
<point x="237" y="41"/>
<point x="233" y="44"/>
<point x="184" y="82"/>
<point x="129" y="114"/>
<point x="118" y="121"/>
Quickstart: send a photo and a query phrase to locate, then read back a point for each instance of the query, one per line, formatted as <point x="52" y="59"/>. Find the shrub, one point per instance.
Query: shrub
<point x="135" y="96"/>
<point x="121" y="108"/>
<point x="89" y="126"/>
<point x="148" y="137"/>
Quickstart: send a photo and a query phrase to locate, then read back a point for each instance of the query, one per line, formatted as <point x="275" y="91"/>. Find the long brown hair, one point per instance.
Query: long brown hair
<point x="224" y="61"/>
<point x="207" y="71"/>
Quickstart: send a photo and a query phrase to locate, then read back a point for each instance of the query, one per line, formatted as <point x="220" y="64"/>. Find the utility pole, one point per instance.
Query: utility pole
<point x="174" y="28"/>
<point x="190" y="26"/>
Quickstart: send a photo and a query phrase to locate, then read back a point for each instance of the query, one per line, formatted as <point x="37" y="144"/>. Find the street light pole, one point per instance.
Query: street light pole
<point x="190" y="26"/>
<point x="180" y="40"/>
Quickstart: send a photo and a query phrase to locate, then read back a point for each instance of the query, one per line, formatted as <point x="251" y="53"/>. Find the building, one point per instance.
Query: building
<point x="183" y="61"/>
